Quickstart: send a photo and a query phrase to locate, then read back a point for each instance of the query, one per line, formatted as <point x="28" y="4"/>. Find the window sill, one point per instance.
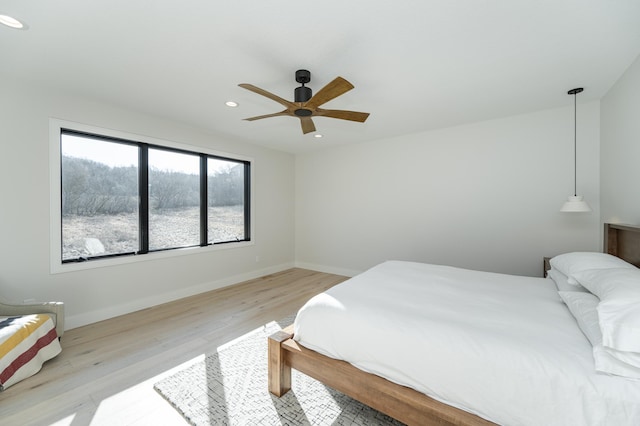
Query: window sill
<point x="59" y="268"/>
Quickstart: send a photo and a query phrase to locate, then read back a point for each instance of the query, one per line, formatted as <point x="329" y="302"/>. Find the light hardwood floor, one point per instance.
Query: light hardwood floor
<point x="106" y="371"/>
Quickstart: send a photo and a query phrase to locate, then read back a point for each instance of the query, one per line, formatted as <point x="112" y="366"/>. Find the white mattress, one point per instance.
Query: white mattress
<point x="501" y="346"/>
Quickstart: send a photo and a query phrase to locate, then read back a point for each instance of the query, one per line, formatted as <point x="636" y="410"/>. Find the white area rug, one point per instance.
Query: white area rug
<point x="230" y="388"/>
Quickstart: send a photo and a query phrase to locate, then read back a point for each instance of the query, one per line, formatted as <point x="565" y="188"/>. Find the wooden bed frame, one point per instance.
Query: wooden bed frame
<point x="623" y="241"/>
<point x="400" y="402"/>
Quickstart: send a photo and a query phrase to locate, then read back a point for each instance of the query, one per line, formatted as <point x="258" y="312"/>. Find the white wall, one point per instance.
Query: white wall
<point x="620" y="150"/>
<point x="484" y="196"/>
<point x="96" y="294"/>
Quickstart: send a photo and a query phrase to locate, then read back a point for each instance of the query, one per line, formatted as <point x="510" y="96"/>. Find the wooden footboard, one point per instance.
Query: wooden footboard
<point x="402" y="403"/>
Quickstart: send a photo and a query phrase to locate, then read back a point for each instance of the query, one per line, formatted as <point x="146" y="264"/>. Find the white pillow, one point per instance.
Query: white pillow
<point x="562" y="282"/>
<point x="610" y="361"/>
<point x="619" y="308"/>
<point x="572" y="263"/>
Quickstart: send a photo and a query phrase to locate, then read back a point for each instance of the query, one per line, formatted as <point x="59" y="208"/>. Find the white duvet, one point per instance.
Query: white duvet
<point x="501" y="346"/>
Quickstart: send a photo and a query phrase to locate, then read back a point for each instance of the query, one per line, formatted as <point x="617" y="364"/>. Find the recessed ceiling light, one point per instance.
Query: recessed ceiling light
<point x="11" y="22"/>
<point x="231" y="104"/>
<point x="318" y="135"/>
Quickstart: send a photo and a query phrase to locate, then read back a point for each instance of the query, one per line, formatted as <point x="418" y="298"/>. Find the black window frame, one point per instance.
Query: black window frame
<point x="143" y="195"/>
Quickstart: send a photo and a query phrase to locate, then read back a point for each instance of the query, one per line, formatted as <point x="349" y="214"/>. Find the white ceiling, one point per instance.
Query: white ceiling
<point x="416" y="64"/>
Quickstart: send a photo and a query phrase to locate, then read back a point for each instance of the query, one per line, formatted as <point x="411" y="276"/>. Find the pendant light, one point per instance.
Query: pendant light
<point x="575" y="202"/>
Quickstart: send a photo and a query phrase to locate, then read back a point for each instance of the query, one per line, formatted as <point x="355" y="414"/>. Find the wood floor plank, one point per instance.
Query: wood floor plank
<point x="106" y="371"/>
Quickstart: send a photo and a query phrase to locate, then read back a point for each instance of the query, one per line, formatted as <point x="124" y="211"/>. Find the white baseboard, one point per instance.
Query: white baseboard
<point x="328" y="269"/>
<point x="158" y="299"/>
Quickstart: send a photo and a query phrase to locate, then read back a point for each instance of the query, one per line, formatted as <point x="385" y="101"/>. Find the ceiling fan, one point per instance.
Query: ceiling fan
<point x="306" y="106"/>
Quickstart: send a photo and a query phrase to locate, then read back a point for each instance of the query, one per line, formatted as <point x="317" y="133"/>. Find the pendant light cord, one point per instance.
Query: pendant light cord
<point x="575" y="146"/>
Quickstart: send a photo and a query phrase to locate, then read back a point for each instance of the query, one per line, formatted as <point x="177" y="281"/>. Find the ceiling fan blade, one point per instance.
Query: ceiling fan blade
<point x="269" y="95"/>
<point x="275" y="114"/>
<point x="332" y="90"/>
<point x="342" y="114"/>
<point x="307" y="125"/>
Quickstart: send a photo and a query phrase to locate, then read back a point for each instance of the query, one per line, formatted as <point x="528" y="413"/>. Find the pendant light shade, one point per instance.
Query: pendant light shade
<point x="575" y="203"/>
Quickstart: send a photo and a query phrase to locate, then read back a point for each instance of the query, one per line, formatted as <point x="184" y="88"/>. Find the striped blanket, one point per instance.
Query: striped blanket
<point x="26" y="342"/>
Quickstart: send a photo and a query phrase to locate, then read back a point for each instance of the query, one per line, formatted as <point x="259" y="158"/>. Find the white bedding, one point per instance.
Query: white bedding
<point x="501" y="346"/>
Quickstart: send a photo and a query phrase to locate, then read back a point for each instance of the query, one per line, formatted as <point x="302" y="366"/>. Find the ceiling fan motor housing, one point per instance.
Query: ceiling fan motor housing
<point x="302" y="94"/>
<point x="303" y="112"/>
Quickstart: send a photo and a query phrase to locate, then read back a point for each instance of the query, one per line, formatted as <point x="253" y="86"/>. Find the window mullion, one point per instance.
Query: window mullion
<point x="247" y="197"/>
<point x="143" y="178"/>
<point x="204" y="201"/>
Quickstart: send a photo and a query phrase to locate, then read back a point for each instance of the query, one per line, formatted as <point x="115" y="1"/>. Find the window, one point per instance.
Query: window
<point x="124" y="197"/>
<point x="174" y="199"/>
<point x="99" y="197"/>
<point x="225" y="200"/>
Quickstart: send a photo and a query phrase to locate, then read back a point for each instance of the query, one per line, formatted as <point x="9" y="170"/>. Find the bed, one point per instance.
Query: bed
<point x="410" y="364"/>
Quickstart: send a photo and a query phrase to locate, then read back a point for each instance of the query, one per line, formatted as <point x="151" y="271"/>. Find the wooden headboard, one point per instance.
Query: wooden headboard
<point x="623" y="241"/>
